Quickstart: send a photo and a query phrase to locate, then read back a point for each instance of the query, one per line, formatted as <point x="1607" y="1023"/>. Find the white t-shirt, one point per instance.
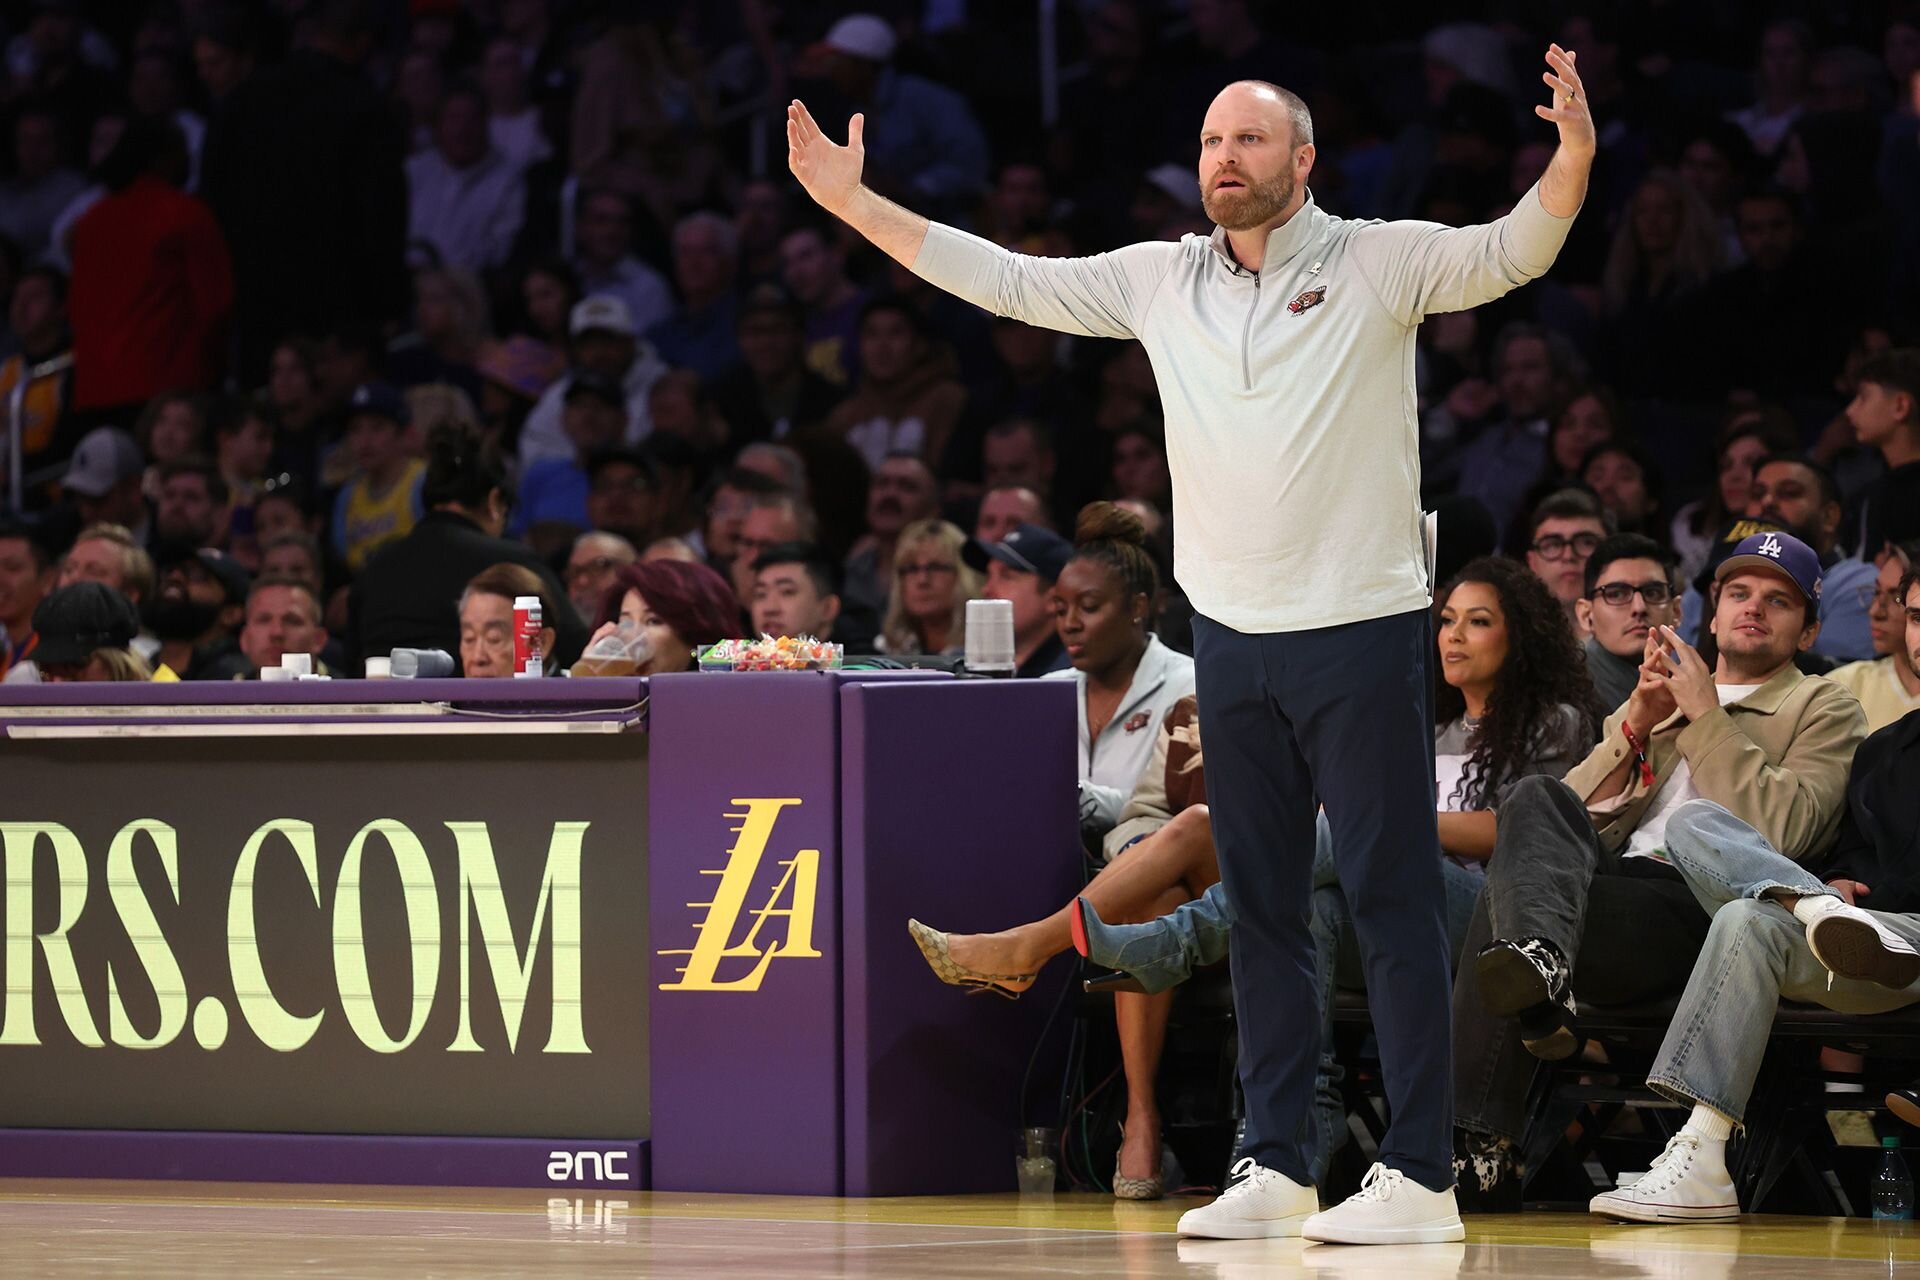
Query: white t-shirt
<point x="1649" y="839"/>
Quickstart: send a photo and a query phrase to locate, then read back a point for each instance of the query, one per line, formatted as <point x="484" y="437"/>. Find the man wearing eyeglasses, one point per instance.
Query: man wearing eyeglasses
<point x="1564" y="530"/>
<point x="591" y="566"/>
<point x="1628" y="592"/>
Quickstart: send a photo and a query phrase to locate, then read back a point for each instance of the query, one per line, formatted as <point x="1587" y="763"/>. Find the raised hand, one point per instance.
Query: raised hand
<point x="1568" y="108"/>
<point x="829" y="172"/>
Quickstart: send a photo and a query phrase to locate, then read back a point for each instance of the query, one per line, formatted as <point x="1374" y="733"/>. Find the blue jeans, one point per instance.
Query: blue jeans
<point x="1755" y="955"/>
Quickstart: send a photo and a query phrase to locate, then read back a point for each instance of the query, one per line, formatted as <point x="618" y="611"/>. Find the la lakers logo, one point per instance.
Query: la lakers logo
<point x="798" y="887"/>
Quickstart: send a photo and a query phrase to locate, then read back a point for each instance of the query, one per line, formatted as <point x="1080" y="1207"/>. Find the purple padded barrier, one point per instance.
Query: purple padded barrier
<point x="746" y="1082"/>
<point x="324" y="1158"/>
<point x="958" y="807"/>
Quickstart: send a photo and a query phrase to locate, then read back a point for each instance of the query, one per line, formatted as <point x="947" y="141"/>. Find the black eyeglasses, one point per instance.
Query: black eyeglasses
<point x="1622" y="593"/>
<point x="1555" y="547"/>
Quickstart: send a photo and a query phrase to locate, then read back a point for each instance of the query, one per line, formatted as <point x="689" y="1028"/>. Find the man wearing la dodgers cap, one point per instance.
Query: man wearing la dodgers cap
<point x="1586" y="897"/>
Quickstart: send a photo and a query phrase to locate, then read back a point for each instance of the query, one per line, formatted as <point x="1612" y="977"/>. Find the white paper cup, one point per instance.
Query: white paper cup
<point x="379" y="668"/>
<point x="275" y="673"/>
<point x="301" y="664"/>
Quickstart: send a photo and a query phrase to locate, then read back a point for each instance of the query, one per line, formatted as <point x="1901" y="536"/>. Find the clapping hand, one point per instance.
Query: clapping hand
<point x="1689" y="679"/>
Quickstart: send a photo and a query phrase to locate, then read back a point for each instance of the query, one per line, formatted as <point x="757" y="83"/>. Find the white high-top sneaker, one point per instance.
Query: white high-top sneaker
<point x="1389" y="1208"/>
<point x="1260" y="1204"/>
<point x="1688" y="1183"/>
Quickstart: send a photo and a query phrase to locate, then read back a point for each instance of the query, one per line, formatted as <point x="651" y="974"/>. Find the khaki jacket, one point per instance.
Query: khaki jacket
<point x="1777" y="759"/>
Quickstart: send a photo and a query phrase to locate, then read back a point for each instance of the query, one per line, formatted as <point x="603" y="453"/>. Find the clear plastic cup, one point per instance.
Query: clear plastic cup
<point x="1034" y="1161"/>
<point x="622" y="652"/>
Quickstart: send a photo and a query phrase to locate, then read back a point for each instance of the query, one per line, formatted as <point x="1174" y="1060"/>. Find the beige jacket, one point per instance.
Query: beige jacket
<point x="1174" y="779"/>
<point x="1778" y="759"/>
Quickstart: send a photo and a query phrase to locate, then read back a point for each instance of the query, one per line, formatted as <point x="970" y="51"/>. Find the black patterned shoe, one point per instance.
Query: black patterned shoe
<point x="1528" y="980"/>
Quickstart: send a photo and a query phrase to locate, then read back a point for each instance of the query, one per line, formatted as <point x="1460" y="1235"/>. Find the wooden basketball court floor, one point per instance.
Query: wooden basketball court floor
<point x="71" y="1228"/>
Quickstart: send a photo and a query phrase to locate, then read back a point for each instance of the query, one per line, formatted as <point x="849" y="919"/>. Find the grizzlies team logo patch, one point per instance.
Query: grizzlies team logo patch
<point x="1311" y="298"/>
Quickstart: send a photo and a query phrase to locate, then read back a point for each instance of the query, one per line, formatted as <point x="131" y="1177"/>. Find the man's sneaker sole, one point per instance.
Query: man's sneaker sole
<point x="1509" y="982"/>
<point x="1245" y="1228"/>
<point x="1438" y="1232"/>
<point x="1629" y="1211"/>
<point x="1853" y="948"/>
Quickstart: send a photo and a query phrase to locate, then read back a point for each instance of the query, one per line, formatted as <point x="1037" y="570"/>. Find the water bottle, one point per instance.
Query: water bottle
<point x="1893" y="1186"/>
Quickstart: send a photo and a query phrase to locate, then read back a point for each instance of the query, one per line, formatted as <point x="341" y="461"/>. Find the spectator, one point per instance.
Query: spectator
<point x="105" y="480"/>
<point x="487" y="626"/>
<point x="171" y="428"/>
<point x="243" y="450"/>
<point x="1888" y="685"/>
<point x="549" y="291"/>
<point x="778" y="463"/>
<point x="225" y="47"/>
<point x="927" y="607"/>
<point x="295" y="556"/>
<point x="795" y="592"/>
<point x="86" y="634"/>
<point x="1747" y="436"/>
<point x="772" y="519"/>
<point x="673" y="549"/>
<point x="192" y="510"/>
<point x="925" y="143"/>
<point x="680" y="608"/>
<point x="1018" y="453"/>
<point x="770" y="393"/>
<point x="466" y="199"/>
<point x="109" y="555"/>
<point x="1139" y="470"/>
<point x="1562" y="532"/>
<point x="283" y="617"/>
<point x="1802" y="498"/>
<point x="1629" y="590"/>
<point x="513" y="122"/>
<point x="153" y="286"/>
<point x="1103" y="602"/>
<point x="408" y="595"/>
<point x="1590" y="419"/>
<point x="513" y="376"/>
<point x="1885" y="413"/>
<point x="196" y="612"/>
<point x="1779" y="933"/>
<point x="700" y="334"/>
<point x="26" y="577"/>
<point x="42" y="183"/>
<point x="1629" y="484"/>
<point x="603" y="233"/>
<point x="1022" y="567"/>
<point x="282" y="512"/>
<point x="604" y="343"/>
<point x="1780" y="85"/>
<point x="1005" y="508"/>
<point x="814" y="269"/>
<point x="907" y="400"/>
<point x="591" y="566"/>
<point x="1535" y="370"/>
<point x="628" y="493"/>
<point x="1581" y="874"/>
<point x="43" y="364"/>
<point x="306" y="154"/>
<point x="727" y="507"/>
<point x="904" y="492"/>
<point x="157" y="90"/>
<point x="1666" y="248"/>
<point x="762" y="221"/>
<point x="553" y="491"/>
<point x="382" y="503"/>
<point x="450" y="327"/>
<point x="678" y="406"/>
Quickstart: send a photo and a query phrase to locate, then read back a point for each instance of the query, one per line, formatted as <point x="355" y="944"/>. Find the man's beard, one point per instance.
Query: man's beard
<point x="1251" y="206"/>
<point x="179" y="617"/>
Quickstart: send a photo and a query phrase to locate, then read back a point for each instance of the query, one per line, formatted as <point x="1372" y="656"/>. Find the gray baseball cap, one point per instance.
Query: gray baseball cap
<point x="104" y="457"/>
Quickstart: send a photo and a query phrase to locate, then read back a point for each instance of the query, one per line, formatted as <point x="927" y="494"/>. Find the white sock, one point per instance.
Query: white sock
<point x="1815" y="905"/>
<point x="1707" y="1124"/>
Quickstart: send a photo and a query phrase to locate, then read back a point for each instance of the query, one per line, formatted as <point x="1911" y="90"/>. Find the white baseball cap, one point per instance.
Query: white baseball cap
<point x="861" y="35"/>
<point x="104" y="457"/>
<point x="602" y="312"/>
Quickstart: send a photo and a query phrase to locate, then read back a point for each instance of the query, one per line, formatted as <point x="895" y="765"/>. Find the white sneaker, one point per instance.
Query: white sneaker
<point x="1263" y="1203"/>
<point x="1389" y="1208"/>
<point x="1852" y="944"/>
<point x="1688" y="1183"/>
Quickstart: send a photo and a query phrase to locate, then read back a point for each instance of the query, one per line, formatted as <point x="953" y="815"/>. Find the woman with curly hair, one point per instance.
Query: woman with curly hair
<point x="1514" y="700"/>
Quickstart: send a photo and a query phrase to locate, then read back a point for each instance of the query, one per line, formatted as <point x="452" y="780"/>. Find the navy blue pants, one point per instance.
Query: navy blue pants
<point x="1340" y="717"/>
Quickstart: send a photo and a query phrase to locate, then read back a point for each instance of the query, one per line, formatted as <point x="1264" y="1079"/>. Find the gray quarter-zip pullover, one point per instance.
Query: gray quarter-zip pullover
<point x="1288" y="392"/>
